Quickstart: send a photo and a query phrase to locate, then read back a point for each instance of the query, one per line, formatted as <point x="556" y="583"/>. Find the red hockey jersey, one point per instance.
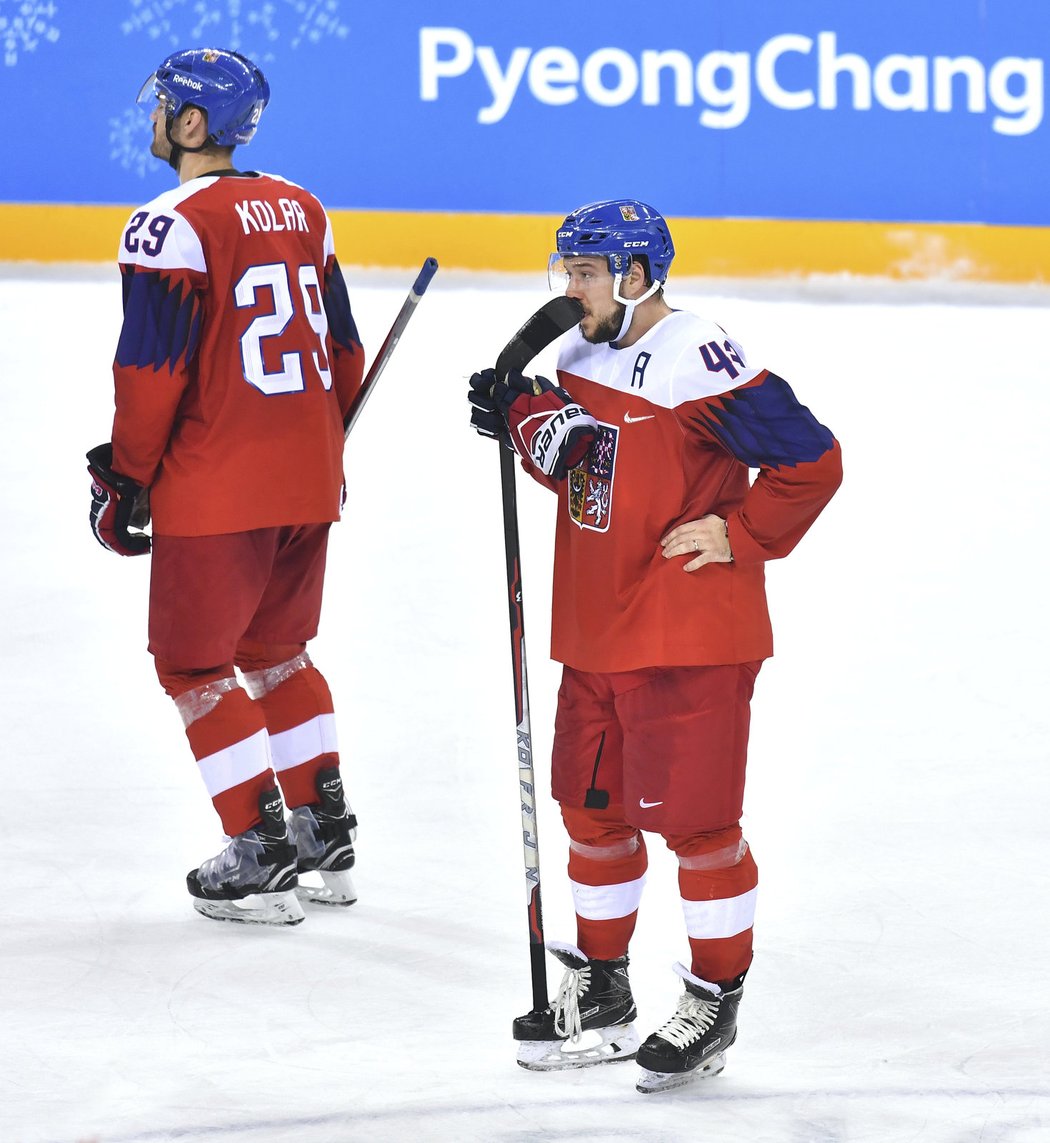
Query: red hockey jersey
<point x="237" y="358"/>
<point x="682" y="421"/>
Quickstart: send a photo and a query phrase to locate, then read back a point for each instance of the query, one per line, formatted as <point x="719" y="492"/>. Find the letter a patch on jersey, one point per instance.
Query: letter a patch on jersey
<point x="590" y="485"/>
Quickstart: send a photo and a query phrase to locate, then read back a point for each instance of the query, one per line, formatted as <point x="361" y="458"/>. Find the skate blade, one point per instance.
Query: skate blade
<point x="258" y="909"/>
<point x="338" y="889"/>
<point x="653" y="1082"/>
<point x="615" y="1043"/>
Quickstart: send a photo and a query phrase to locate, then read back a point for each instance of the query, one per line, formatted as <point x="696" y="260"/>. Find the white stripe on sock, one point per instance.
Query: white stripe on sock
<point x="235" y="764"/>
<point x="303" y="742"/>
<point x="709" y="920"/>
<point x="607" y="902"/>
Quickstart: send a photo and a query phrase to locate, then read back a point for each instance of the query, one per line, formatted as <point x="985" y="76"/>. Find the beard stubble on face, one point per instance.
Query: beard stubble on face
<point x="606" y="328"/>
<point x="160" y="148"/>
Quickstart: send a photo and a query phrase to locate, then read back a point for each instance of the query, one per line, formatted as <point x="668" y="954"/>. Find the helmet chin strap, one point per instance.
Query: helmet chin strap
<point x="629" y="304"/>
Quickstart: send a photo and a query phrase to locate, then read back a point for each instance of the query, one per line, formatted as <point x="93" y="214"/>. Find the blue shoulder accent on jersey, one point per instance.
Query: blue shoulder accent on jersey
<point x="161" y="322"/>
<point x="341" y="322"/>
<point x="764" y="426"/>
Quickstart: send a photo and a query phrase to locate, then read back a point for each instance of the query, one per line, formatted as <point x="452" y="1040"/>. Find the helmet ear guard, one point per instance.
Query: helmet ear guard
<point x="620" y="263"/>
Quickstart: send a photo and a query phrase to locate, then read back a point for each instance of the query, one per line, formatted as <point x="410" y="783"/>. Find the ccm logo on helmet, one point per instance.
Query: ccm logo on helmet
<point x="176" y="78"/>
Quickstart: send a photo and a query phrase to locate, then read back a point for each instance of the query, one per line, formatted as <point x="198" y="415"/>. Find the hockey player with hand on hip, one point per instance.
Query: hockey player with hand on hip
<point x="660" y="621"/>
<point x="236" y="363"/>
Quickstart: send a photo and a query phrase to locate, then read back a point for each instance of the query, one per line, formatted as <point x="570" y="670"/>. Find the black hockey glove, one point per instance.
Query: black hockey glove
<point x="546" y="425"/>
<point x="485" y="416"/>
<point x="117" y="504"/>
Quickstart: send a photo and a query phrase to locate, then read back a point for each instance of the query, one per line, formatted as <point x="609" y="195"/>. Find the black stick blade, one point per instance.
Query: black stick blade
<point x="550" y="321"/>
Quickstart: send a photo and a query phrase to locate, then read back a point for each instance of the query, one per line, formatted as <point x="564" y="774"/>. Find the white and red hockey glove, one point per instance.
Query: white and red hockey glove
<point x="546" y="425"/>
<point x="117" y="504"/>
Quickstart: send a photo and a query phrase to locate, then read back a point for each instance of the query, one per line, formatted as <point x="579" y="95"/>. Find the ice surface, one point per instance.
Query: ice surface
<point x="897" y="797"/>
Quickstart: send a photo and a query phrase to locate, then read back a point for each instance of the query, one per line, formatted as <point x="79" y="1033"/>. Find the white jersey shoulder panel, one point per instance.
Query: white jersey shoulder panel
<point x="158" y="237"/>
<point x="682" y="358"/>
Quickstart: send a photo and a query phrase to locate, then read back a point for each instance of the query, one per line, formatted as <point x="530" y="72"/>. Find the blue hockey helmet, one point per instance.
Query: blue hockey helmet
<point x="622" y="230"/>
<point x="227" y="86"/>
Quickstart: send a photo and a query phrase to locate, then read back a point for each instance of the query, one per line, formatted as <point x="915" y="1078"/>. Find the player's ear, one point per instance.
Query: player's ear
<point x="635" y="284"/>
<point x="194" y="127"/>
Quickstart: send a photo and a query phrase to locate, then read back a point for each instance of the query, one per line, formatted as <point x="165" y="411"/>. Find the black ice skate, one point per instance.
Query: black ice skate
<point x="253" y="880"/>
<point x="589" y="1022"/>
<point x="323" y="835"/>
<point x="692" y="1044"/>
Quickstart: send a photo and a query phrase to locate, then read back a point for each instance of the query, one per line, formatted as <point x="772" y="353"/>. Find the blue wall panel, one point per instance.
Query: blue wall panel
<point x="796" y="109"/>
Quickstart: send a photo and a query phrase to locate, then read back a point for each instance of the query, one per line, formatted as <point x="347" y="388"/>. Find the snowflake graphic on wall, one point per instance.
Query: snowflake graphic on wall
<point x="24" y="25"/>
<point x="130" y="136"/>
<point x="254" y="27"/>
<point x="257" y="28"/>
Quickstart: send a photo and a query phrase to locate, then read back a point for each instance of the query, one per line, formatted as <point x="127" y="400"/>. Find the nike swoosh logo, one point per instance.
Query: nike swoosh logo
<point x="648" y="805"/>
<point x="629" y="420"/>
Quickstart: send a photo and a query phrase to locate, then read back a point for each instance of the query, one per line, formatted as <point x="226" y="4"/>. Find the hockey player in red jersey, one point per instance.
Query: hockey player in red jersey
<point x="659" y="617"/>
<point x="237" y="360"/>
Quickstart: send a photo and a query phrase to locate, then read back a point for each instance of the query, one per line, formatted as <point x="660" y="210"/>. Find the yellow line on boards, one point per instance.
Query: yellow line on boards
<point x="707" y="247"/>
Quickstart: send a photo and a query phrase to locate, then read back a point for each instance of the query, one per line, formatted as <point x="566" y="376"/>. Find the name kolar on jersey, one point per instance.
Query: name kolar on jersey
<point x="257" y="215"/>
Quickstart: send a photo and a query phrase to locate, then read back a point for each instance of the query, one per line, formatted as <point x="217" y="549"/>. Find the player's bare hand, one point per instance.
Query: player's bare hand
<point x="705" y="540"/>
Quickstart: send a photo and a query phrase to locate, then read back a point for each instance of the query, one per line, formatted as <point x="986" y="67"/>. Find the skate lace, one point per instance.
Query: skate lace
<point x="692" y="1020"/>
<point x="573" y="985"/>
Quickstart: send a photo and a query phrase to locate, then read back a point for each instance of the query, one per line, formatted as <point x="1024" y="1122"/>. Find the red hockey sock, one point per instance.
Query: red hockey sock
<point x="607" y="864"/>
<point x="718" y="881"/>
<point x="227" y="734"/>
<point x="297" y="706"/>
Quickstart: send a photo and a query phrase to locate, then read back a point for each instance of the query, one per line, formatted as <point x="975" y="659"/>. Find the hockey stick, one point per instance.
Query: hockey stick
<point x="427" y="271"/>
<point x="547" y="323"/>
